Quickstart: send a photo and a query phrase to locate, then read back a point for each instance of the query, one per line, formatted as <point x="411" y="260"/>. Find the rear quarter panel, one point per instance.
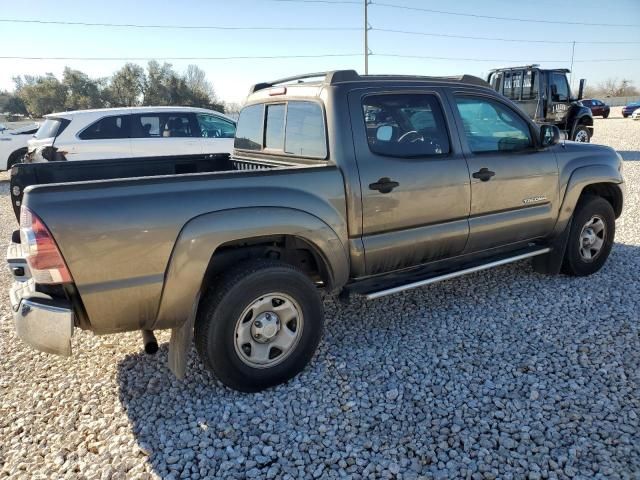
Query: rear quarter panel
<point x="117" y="236"/>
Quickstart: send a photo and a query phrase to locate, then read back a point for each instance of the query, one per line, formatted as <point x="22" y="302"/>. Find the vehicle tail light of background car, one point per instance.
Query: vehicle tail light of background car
<point x="41" y="252"/>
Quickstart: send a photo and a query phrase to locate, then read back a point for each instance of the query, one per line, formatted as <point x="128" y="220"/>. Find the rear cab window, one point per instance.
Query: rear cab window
<point x="290" y="128"/>
<point x="405" y="125"/>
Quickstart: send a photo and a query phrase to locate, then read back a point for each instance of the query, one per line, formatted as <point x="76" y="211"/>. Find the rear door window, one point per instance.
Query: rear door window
<point x="164" y="125"/>
<point x="107" y="128"/>
<point x="405" y="125"/>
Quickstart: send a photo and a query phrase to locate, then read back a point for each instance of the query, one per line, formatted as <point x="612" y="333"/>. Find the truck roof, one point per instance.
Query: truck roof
<point x="534" y="65"/>
<point x="336" y="77"/>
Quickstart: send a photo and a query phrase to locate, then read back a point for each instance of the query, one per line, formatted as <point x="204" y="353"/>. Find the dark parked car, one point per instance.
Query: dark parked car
<point x="598" y="107"/>
<point x="627" y="110"/>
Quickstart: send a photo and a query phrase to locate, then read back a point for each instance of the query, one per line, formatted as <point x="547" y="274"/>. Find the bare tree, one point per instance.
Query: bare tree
<point x="612" y="87"/>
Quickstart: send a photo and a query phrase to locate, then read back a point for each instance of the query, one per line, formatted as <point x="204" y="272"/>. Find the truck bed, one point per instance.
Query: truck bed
<point x="26" y="174"/>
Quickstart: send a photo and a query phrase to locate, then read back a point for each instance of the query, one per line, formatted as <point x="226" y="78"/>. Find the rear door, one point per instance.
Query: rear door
<point x="164" y="133"/>
<point x="514" y="184"/>
<point x="216" y="133"/>
<point x="414" y="178"/>
<point x="105" y="138"/>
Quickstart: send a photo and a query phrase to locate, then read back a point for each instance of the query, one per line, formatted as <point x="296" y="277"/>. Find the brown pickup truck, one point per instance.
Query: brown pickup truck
<point x="356" y="184"/>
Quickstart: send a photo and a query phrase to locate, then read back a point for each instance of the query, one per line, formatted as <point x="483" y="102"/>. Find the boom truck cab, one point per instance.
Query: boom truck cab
<point x="545" y="95"/>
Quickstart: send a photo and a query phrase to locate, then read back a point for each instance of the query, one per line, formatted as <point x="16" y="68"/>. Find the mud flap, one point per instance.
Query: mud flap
<point x="551" y="263"/>
<point x="180" y="343"/>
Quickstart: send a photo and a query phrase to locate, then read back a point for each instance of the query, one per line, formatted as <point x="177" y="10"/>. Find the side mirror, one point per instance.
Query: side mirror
<point x="549" y="135"/>
<point x="384" y="133"/>
<point x="581" y="88"/>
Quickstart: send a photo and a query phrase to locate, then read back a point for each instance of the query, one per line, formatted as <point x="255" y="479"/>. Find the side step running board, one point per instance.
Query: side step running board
<point x="459" y="273"/>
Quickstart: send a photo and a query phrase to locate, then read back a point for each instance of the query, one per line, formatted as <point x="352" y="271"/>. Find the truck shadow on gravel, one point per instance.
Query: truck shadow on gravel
<point x="630" y="155"/>
<point x="503" y="367"/>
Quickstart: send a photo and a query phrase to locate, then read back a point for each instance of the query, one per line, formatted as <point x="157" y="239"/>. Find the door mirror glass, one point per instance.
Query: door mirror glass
<point x="384" y="133"/>
<point x="549" y="135"/>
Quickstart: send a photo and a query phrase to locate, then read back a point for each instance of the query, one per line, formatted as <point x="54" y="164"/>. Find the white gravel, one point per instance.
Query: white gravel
<point x="503" y="374"/>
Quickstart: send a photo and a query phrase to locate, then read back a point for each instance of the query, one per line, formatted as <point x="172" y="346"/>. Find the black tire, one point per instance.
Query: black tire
<point x="580" y="132"/>
<point x="605" y="115"/>
<point x="219" y="315"/>
<point x="16" y="157"/>
<point x="589" y="207"/>
<point x="624" y="116"/>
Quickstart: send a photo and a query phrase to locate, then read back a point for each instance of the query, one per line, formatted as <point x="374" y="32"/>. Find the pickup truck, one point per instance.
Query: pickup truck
<point x="341" y="183"/>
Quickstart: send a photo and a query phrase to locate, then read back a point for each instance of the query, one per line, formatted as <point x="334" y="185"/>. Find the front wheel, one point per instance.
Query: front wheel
<point x="259" y="325"/>
<point x="591" y="237"/>
<point x="581" y="134"/>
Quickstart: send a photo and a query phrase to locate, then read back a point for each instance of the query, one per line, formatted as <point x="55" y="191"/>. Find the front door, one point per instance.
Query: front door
<point x="413" y="176"/>
<point x="514" y="184"/>
<point x="559" y="96"/>
<point x="216" y="133"/>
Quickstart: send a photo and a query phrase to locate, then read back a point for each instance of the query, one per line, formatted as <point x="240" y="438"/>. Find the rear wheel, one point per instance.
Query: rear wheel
<point x="581" y="134"/>
<point x="605" y="114"/>
<point x="259" y="325"/>
<point x="591" y="237"/>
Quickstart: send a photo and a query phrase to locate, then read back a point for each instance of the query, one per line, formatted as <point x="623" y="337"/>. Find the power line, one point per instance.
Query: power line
<point x="172" y="26"/>
<point x="468" y="37"/>
<point x="328" y="55"/>
<point x="330" y="2"/>
<point x="513" y="19"/>
<point x="510" y="60"/>
<point x="132" y="59"/>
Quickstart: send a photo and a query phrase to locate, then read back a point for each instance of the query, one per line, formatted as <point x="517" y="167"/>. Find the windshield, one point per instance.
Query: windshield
<point x="48" y="129"/>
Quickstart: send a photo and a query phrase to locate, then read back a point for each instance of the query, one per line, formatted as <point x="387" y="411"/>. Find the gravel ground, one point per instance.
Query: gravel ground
<point x="502" y="374"/>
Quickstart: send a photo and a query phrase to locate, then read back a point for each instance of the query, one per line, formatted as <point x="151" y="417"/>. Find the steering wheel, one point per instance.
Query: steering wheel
<point x="411" y="136"/>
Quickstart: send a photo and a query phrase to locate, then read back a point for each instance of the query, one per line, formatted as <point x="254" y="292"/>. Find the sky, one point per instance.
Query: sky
<point x="233" y="77"/>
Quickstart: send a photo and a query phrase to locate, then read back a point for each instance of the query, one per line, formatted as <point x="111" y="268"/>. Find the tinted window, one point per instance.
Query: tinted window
<point x="507" y="85"/>
<point x="49" y="128"/>
<point x="405" y="125"/>
<point x="530" y="85"/>
<point x="215" y="127"/>
<point x="106" y="128"/>
<point x="249" y="133"/>
<point x="146" y="126"/>
<point x="492" y="127"/>
<point x="516" y="85"/>
<point x="559" y="80"/>
<point x="274" y="134"/>
<point x="305" y="135"/>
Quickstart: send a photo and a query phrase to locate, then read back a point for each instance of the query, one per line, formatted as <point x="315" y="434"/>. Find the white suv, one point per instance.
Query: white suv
<point x="131" y="132"/>
<point x="13" y="144"/>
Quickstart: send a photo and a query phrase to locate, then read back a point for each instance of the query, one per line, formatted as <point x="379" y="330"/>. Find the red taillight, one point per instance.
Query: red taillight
<point x="40" y="250"/>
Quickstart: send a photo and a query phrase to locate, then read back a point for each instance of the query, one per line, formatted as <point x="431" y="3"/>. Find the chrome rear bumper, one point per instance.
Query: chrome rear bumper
<point x="41" y="321"/>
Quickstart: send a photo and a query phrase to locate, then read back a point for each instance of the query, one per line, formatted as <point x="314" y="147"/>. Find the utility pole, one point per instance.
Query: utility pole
<point x="573" y="51"/>
<point x="366" y="37"/>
